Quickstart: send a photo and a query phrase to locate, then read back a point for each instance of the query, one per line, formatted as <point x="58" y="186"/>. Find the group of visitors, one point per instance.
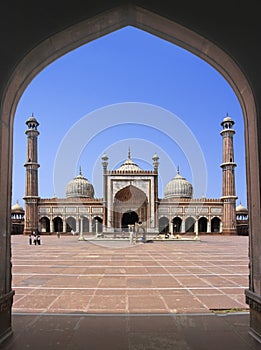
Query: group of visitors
<point x="34" y="239"/>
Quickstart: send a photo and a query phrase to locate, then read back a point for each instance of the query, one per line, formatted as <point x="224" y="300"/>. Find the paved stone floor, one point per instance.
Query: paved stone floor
<point x="72" y="294"/>
<point x="66" y="275"/>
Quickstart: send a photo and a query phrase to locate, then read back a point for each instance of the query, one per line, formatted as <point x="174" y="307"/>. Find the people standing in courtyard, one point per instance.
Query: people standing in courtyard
<point x="58" y="234"/>
<point x="30" y="239"/>
<point x="34" y="238"/>
<point x="38" y="238"/>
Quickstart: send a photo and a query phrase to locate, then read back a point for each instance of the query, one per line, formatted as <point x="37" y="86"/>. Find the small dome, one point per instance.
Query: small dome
<point x="17" y="207"/>
<point x="79" y="187"/>
<point x="227" y="122"/>
<point x="32" y="119"/>
<point x="227" y="119"/>
<point x="241" y="208"/>
<point x="178" y="187"/>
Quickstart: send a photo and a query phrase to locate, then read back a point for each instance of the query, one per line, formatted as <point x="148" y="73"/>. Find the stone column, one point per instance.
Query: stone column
<point x="64" y="225"/>
<point x="77" y="225"/>
<point x="51" y="225"/>
<point x="81" y="238"/>
<point x="209" y="225"/>
<point x="171" y="226"/>
<point x="96" y="227"/>
<point x="196" y="226"/>
<point x="183" y="225"/>
<point x="90" y="224"/>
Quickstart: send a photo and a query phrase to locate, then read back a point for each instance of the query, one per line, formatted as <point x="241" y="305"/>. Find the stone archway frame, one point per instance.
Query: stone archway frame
<point x="73" y="37"/>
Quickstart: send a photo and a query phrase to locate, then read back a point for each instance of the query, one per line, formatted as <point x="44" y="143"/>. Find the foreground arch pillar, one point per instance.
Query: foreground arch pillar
<point x="6" y="293"/>
<point x="72" y="37"/>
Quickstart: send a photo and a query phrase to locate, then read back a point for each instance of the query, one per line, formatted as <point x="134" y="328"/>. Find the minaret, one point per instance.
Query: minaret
<point x="228" y="177"/>
<point x="105" y="191"/>
<point x="31" y="182"/>
<point x="155" y="159"/>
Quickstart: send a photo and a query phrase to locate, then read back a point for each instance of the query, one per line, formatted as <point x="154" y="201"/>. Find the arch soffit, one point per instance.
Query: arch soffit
<point x="97" y="216"/>
<point x="216" y="218"/>
<point x="131" y="188"/>
<point x="164" y="217"/>
<point x="204" y="217"/>
<point x="79" y="34"/>
<point x="57" y="217"/>
<point x="71" y="217"/>
<point x="192" y="218"/>
<point x="44" y="217"/>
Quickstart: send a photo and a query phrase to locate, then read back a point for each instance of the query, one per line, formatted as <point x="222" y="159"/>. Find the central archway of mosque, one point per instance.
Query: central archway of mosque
<point x="130" y="207"/>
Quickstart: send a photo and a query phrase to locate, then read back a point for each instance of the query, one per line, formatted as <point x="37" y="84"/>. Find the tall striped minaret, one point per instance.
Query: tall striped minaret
<point x="31" y="178"/>
<point x="228" y="177"/>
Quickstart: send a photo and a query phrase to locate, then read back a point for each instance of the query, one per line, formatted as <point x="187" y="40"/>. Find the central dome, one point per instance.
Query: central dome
<point x="129" y="165"/>
<point x="79" y="187"/>
<point x="178" y="187"/>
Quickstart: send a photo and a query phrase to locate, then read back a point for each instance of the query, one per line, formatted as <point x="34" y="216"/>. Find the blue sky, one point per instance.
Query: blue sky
<point x="128" y="89"/>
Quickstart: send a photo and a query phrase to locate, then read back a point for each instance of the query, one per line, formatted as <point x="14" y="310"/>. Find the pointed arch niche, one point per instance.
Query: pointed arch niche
<point x="81" y="33"/>
<point x="130" y="206"/>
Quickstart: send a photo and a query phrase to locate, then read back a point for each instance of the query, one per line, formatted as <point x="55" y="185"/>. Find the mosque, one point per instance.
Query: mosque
<point x="130" y="196"/>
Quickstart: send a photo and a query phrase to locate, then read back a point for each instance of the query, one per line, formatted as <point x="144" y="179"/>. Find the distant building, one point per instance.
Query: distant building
<point x="242" y="220"/>
<point x="17" y="219"/>
<point x="130" y="195"/>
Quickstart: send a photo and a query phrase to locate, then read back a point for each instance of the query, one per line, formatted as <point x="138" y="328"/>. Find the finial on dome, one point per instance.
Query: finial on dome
<point x="178" y="170"/>
<point x="80" y="171"/>
<point x="129" y="153"/>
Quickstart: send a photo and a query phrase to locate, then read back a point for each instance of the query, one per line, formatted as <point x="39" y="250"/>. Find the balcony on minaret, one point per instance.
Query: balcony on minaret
<point x="32" y="123"/>
<point x="227" y="122"/>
